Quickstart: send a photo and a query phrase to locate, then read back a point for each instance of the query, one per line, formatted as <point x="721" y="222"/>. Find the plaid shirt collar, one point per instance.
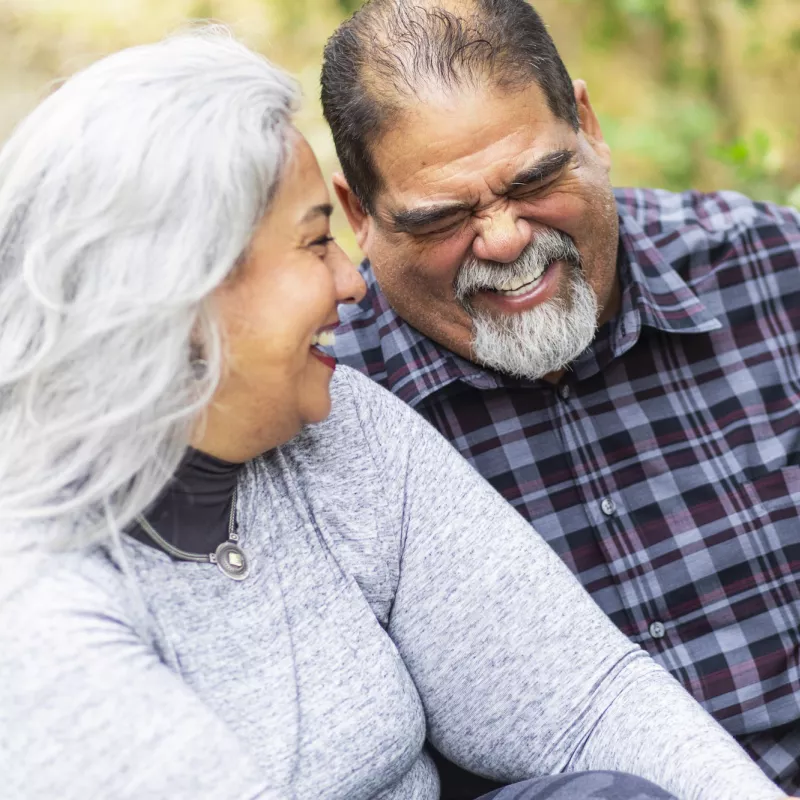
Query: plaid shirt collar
<point x="653" y="295"/>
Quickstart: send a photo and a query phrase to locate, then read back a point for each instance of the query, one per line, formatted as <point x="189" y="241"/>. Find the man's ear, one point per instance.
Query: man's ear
<point x="590" y="125"/>
<point x="356" y="216"/>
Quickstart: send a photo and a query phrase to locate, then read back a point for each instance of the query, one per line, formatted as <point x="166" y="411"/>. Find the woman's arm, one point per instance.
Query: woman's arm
<point x="519" y="671"/>
<point x="87" y="709"/>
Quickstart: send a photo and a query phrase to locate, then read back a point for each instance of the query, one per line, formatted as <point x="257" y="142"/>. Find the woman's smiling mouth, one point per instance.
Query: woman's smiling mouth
<point x="324" y="337"/>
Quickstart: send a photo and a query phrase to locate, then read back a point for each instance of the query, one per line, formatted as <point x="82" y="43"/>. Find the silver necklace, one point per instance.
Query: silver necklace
<point x="229" y="557"/>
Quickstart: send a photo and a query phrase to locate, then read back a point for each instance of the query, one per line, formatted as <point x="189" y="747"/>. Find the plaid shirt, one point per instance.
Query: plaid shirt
<point x="665" y="467"/>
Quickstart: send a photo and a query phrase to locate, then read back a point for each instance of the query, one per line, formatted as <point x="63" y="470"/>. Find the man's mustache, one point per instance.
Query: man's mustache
<point x="476" y="275"/>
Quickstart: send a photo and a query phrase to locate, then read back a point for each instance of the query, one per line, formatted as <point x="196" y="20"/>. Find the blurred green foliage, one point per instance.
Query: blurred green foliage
<point x="348" y="6"/>
<point x="701" y="127"/>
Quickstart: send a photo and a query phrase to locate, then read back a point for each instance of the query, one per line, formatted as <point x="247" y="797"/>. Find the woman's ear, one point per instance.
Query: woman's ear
<point x="590" y="125"/>
<point x="356" y="216"/>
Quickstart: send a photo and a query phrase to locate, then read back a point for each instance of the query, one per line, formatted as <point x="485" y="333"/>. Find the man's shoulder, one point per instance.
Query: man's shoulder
<point x="730" y="213"/>
<point x="701" y="235"/>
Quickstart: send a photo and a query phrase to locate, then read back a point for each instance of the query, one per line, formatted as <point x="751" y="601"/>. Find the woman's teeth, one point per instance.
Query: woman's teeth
<point x="324" y="338"/>
<point x="518" y="286"/>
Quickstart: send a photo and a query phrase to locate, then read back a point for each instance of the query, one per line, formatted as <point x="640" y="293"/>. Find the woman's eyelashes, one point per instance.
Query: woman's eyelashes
<point x="323" y="241"/>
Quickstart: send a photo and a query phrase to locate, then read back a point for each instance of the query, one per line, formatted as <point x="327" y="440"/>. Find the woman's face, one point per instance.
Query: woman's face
<point x="273" y="311"/>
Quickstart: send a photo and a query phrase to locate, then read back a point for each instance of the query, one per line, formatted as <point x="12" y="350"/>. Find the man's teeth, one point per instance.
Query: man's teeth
<point x="324" y="338"/>
<point x="512" y="288"/>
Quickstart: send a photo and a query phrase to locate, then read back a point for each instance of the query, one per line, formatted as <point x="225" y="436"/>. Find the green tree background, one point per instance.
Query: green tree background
<point x="691" y="93"/>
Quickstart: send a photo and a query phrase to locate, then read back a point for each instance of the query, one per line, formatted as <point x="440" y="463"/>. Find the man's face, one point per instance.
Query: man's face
<point x="495" y="228"/>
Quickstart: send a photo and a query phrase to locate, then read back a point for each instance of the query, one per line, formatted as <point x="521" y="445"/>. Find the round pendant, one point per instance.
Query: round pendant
<point x="232" y="561"/>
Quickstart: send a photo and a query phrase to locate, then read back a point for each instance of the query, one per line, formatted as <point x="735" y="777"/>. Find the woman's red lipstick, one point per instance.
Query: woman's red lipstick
<point x="328" y="361"/>
<point x="326" y="338"/>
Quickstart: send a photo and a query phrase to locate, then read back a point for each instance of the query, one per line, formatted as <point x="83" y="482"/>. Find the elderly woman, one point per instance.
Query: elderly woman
<point x="226" y="571"/>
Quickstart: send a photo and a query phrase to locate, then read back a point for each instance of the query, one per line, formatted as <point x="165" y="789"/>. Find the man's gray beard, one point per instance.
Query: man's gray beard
<point x="544" y="339"/>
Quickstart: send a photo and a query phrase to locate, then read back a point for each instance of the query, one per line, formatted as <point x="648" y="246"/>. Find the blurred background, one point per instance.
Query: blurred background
<point x="691" y="93"/>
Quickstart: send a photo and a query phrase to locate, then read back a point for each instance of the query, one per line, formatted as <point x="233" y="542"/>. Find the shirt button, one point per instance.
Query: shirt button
<point x="608" y="506"/>
<point x="564" y="392"/>
<point x="657" y="630"/>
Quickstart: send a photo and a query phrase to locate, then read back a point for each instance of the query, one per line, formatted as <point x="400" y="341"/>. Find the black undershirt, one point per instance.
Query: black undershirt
<point x="194" y="510"/>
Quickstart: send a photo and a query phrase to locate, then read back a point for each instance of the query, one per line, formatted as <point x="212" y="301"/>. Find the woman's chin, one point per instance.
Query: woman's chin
<point x="318" y="409"/>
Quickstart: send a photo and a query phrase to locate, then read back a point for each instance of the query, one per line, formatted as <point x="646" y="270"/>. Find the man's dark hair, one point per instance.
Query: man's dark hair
<point x="390" y="50"/>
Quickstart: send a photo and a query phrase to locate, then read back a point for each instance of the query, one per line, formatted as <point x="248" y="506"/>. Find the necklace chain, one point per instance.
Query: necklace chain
<point x="229" y="557"/>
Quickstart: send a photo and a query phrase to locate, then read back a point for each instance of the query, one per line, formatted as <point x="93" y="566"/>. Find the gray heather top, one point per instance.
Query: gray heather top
<point x="393" y="594"/>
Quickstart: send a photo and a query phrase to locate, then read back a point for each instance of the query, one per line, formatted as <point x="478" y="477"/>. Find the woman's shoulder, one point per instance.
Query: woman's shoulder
<point x="352" y="391"/>
<point x="383" y="418"/>
<point x="46" y="594"/>
<point x="344" y="461"/>
<point x="368" y="436"/>
<point x="344" y="473"/>
<point x="60" y="615"/>
<point x="370" y="440"/>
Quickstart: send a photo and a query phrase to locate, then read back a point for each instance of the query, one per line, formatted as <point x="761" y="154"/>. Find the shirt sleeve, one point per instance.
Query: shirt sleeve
<point x="88" y="710"/>
<point x="519" y="671"/>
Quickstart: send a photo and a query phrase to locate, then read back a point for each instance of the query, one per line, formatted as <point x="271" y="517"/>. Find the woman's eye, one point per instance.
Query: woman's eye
<point x="323" y="241"/>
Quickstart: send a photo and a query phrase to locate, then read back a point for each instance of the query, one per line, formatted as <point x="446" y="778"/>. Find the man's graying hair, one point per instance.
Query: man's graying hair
<point x="381" y="60"/>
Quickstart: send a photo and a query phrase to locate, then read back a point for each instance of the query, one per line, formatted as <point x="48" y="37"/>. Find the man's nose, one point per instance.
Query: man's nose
<point x="502" y="237"/>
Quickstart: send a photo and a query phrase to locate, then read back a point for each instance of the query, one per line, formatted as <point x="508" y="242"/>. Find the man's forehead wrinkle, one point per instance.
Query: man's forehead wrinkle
<point x="435" y="172"/>
<point x="425" y="191"/>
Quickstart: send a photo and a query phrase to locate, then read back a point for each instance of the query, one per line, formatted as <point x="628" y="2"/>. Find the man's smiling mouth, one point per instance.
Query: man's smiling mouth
<point x="516" y="287"/>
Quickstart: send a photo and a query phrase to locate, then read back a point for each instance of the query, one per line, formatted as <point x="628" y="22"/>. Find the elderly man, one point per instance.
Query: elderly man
<point x="623" y="367"/>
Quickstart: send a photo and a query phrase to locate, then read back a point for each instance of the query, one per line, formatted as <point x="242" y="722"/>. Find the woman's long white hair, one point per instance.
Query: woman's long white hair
<point x="126" y="198"/>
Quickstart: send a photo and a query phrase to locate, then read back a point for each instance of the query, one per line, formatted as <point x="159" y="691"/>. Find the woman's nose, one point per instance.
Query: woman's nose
<point x="501" y="237"/>
<point x="350" y="286"/>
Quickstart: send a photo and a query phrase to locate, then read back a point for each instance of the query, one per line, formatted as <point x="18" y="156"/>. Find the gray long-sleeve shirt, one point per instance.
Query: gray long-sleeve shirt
<point x="393" y="595"/>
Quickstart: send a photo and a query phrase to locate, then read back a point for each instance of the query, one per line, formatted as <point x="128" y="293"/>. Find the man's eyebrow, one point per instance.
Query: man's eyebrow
<point x="544" y="168"/>
<point x="415" y="218"/>
<point x="322" y="210"/>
